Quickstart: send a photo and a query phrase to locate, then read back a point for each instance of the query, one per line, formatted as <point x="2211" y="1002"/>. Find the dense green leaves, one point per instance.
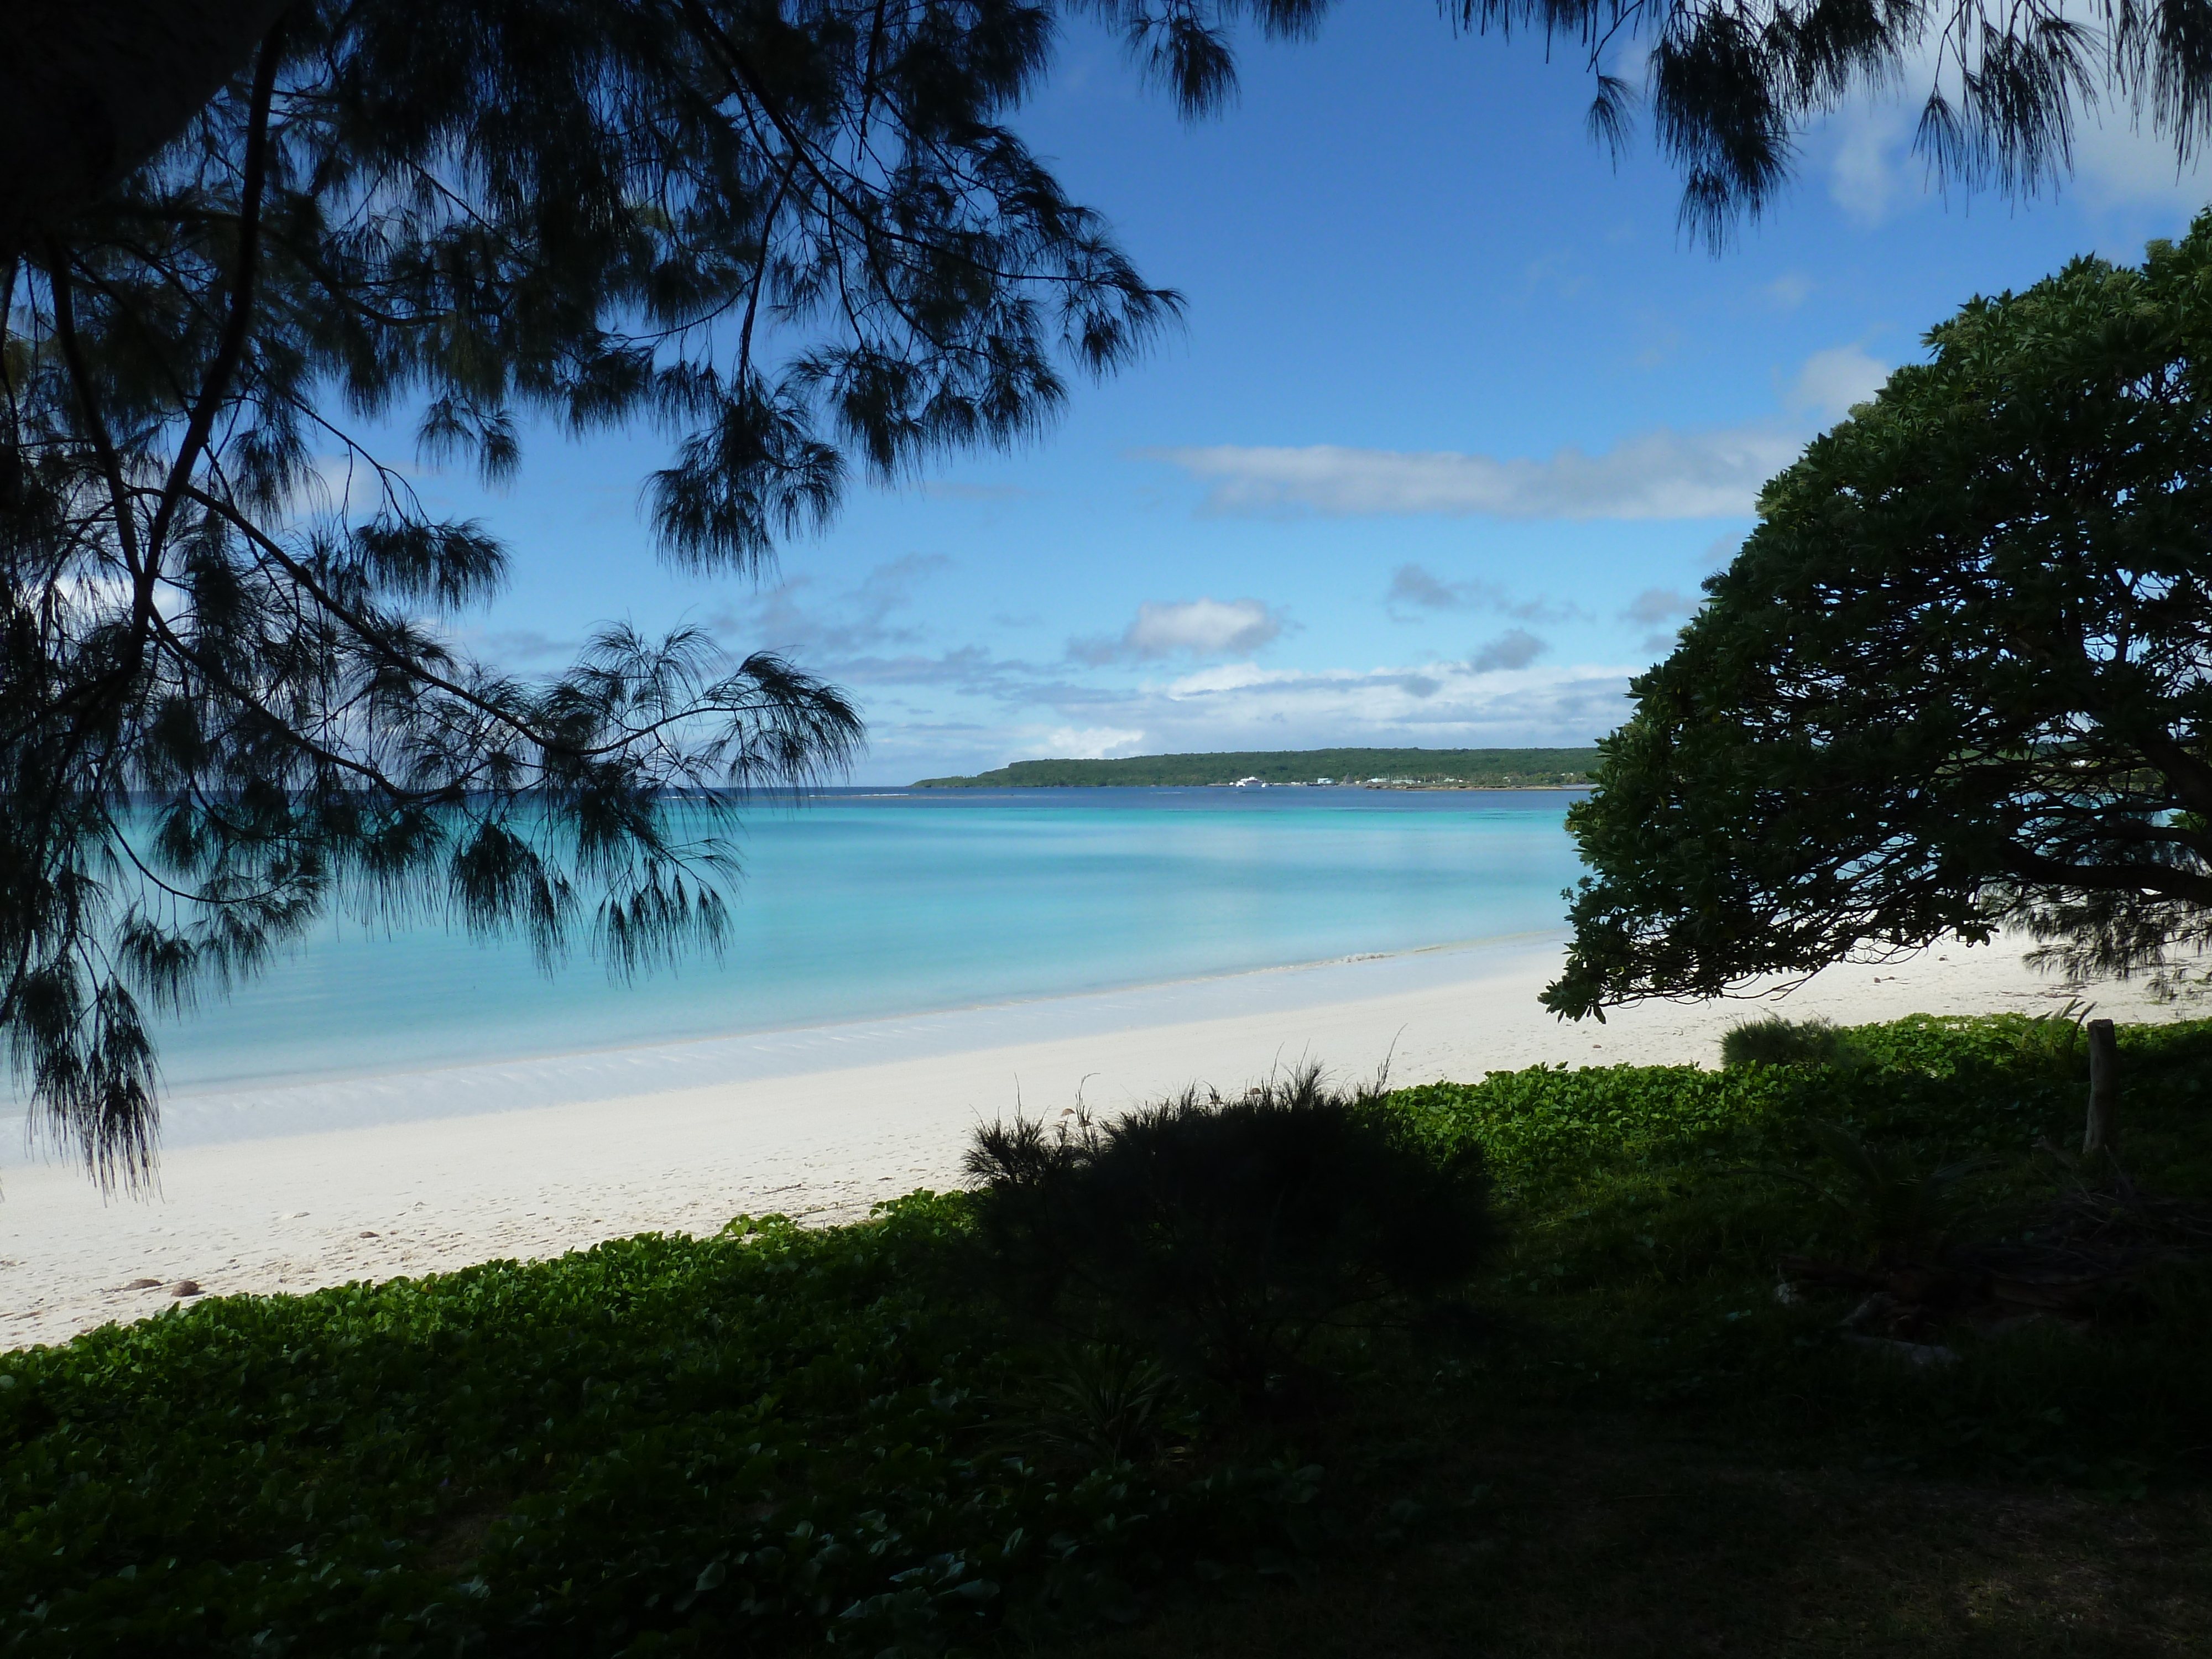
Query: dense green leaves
<point x="1956" y="677"/>
<point x="783" y="1438"/>
<point x="1984" y="1081"/>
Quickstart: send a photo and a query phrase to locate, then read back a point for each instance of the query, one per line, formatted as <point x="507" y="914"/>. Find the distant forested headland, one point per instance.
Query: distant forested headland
<point x="1432" y="769"/>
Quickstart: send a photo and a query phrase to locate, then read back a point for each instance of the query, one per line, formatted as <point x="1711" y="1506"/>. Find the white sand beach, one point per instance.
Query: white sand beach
<point x="289" y="1190"/>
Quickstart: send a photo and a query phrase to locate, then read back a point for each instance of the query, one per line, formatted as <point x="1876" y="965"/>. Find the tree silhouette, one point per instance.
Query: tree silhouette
<point x="794" y="243"/>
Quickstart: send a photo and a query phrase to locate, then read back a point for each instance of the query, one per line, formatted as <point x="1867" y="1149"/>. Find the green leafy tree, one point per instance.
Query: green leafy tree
<point x="1960" y="677"/>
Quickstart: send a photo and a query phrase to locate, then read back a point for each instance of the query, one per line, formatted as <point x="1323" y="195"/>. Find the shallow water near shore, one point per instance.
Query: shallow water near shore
<point x="871" y="904"/>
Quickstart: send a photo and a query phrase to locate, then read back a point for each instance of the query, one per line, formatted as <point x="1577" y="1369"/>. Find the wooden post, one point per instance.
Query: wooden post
<point x="2102" y="1134"/>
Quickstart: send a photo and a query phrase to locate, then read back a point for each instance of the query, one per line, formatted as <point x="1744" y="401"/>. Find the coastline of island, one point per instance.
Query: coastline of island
<point x="1363" y="769"/>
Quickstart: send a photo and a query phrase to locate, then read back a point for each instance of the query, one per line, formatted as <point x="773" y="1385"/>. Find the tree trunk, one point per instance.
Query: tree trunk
<point x="2102" y="1134"/>
<point x="91" y="90"/>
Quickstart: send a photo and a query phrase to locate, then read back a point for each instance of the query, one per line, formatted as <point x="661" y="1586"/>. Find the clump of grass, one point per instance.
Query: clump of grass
<point x="1772" y="1039"/>
<point x="1103" y="1403"/>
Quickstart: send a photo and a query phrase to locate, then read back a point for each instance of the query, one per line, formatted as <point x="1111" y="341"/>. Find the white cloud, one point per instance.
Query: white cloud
<point x="510" y="645"/>
<point x="1655" y="475"/>
<point x="2119" y="161"/>
<point x="797" y="617"/>
<point x="1412" y="585"/>
<point x="1199" y="628"/>
<point x="1234" y="705"/>
<point x="1085" y="742"/>
<point x="1831" y="381"/>
<point x="1864" y="177"/>
<point x="1661" y="474"/>
<point x="1655" y="607"/>
<point x="1516" y="647"/>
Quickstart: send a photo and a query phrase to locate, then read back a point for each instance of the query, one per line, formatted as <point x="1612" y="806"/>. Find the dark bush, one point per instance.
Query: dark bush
<point x="1774" y="1040"/>
<point x="1226" y="1233"/>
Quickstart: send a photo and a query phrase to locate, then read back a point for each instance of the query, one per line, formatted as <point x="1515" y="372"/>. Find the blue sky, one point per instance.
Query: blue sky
<point x="1455" y="425"/>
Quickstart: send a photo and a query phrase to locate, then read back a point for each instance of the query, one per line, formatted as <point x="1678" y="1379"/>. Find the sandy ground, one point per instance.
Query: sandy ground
<point x="302" y="1211"/>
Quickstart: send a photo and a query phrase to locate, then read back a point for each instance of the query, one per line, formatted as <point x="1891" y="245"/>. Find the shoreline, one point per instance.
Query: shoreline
<point x="270" y="1107"/>
<point x="839" y="1030"/>
<point x="842" y="1124"/>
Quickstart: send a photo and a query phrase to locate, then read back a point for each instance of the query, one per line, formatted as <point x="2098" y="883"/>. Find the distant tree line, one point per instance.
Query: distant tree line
<point x="1473" y="769"/>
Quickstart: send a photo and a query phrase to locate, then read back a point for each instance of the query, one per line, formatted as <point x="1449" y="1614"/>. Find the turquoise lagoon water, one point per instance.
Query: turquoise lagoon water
<point x="868" y="904"/>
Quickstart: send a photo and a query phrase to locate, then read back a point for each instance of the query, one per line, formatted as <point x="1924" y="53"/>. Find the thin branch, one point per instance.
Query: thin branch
<point x="232" y="348"/>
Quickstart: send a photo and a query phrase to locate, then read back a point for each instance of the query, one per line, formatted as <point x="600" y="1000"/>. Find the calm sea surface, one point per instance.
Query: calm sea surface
<point x="869" y="903"/>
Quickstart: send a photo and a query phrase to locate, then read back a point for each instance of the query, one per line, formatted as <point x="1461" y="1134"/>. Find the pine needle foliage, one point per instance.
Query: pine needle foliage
<point x="798" y="243"/>
<point x="1733" y="87"/>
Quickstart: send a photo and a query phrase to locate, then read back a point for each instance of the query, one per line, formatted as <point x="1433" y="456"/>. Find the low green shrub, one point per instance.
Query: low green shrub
<point x="1548" y="1120"/>
<point x="2024" y="1046"/>
<point x="1971" y="1084"/>
<point x="2050" y="1045"/>
<point x="1644" y="1211"/>
<point x="783" y="1440"/>
<point x="778" y="1440"/>
<point x="1772" y="1040"/>
<point x="1224" y="1234"/>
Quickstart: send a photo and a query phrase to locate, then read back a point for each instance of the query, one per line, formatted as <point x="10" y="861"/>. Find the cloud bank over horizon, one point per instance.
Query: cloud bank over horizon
<point x="941" y="704"/>
<point x="1661" y="474"/>
<point x="1470" y="704"/>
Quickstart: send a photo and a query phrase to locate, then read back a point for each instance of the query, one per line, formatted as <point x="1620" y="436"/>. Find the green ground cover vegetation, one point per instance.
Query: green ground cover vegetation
<point x="1630" y="1418"/>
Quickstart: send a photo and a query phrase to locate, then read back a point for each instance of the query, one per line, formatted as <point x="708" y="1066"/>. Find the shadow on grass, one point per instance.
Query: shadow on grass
<point x="1560" y="1537"/>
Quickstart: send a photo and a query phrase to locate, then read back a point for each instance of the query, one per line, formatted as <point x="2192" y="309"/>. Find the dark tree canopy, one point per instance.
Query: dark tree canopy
<point x="1958" y="678"/>
<point x="796" y="242"/>
<point x="91" y="89"/>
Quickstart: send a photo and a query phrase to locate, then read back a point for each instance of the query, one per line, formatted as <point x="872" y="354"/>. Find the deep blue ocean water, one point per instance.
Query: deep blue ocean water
<point x="865" y="904"/>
